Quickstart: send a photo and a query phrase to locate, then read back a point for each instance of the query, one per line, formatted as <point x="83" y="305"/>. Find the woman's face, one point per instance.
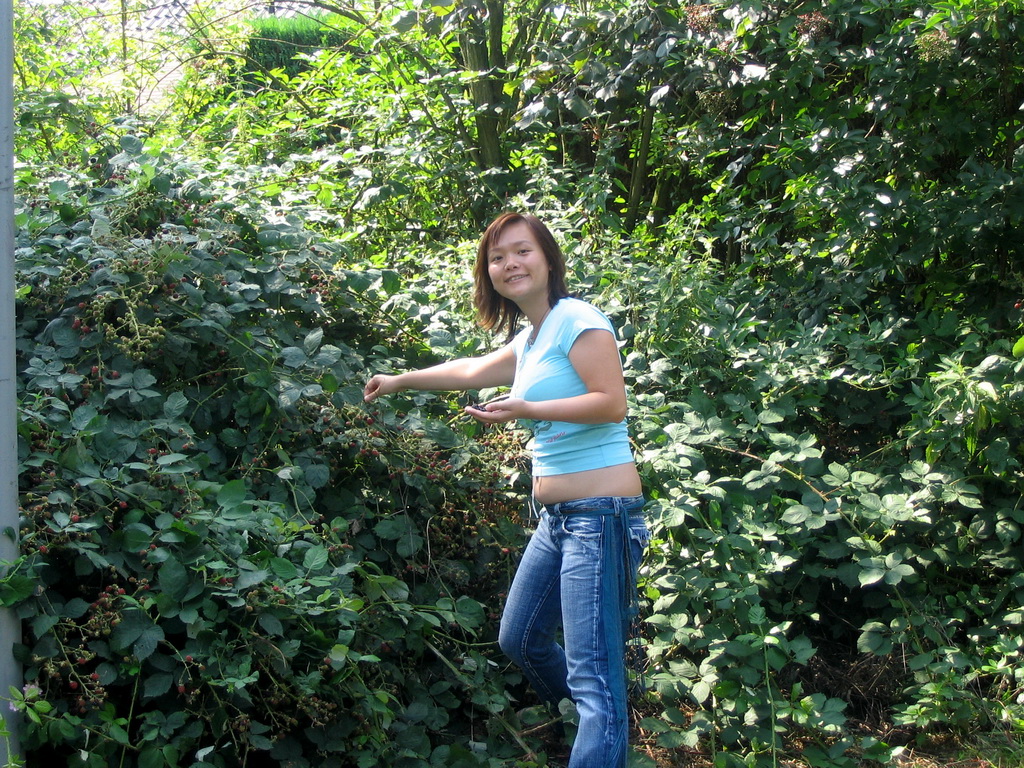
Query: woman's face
<point x="517" y="266"/>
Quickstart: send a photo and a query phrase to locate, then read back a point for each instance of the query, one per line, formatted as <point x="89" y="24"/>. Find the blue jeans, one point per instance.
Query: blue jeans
<point x="579" y="571"/>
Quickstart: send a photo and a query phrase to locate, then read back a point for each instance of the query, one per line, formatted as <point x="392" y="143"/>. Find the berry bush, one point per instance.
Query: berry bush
<point x="228" y="558"/>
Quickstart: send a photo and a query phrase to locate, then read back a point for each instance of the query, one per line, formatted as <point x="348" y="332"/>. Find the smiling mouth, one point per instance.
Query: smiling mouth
<point x="514" y="278"/>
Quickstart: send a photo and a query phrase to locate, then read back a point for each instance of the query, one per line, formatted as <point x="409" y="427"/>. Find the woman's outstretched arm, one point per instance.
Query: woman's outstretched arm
<point x="491" y="370"/>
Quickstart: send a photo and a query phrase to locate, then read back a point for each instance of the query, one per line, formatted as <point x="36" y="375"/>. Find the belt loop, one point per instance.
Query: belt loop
<point x="531" y="504"/>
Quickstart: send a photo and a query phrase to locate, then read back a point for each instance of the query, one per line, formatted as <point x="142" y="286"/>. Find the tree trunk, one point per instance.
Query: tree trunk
<point x="638" y="178"/>
<point x="484" y="89"/>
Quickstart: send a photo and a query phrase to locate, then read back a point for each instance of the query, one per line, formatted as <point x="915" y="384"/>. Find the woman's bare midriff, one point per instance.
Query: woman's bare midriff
<point x="619" y="480"/>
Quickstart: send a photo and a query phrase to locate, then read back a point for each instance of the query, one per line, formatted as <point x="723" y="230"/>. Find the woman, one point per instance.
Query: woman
<point x="579" y="569"/>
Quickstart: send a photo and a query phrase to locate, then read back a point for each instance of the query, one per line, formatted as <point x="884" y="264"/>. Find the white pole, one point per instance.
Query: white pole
<point x="10" y="628"/>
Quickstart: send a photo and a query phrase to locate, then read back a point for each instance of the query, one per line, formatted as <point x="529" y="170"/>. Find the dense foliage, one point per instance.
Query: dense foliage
<point x="805" y="223"/>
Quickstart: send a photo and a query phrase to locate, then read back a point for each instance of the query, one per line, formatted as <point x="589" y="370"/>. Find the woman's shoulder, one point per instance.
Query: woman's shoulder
<point x="576" y="308"/>
<point x="574" y="316"/>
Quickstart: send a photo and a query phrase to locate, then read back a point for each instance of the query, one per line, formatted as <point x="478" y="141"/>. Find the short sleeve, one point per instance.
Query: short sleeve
<point x="582" y="317"/>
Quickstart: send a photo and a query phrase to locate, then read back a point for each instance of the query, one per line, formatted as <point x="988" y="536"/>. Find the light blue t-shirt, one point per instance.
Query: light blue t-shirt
<point x="544" y="372"/>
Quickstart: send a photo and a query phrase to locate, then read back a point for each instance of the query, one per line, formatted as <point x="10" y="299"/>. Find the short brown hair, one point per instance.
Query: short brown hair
<point x="494" y="311"/>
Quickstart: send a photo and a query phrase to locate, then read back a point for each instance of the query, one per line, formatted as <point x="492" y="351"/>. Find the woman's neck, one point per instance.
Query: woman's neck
<point x="536" y="312"/>
<point x="536" y="323"/>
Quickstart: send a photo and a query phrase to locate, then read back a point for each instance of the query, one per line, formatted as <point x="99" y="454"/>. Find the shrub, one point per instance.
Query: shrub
<point x="281" y="43"/>
<point x="228" y="558"/>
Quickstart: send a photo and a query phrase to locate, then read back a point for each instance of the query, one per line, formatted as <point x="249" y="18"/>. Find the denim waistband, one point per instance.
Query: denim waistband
<point x="595" y="505"/>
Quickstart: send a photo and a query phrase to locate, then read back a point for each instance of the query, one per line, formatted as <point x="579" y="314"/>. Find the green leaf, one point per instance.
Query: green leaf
<point x="312" y="342"/>
<point x="315" y="558"/>
<point x="157" y="684"/>
<point x="294" y="357"/>
<point x="175" y="405"/>
<point x="289" y="395"/>
<point x="131" y="144"/>
<point x="232" y="494"/>
<point x="118" y="733"/>
<point x="233" y="438"/>
<point x="1018" y="348"/>
<point x="874" y="639"/>
<point x="328" y="356"/>
<point x="76" y="608"/>
<point x="469" y="613"/>
<point x="131" y="626"/>
<point x="58" y="189"/>
<point x="837" y="474"/>
<point x="143" y="379"/>
<point x="84" y="417"/>
<point x="136" y="538"/>
<point x="148" y="642"/>
<point x="405" y="21"/>
<point x="153" y="757"/>
<point x="271" y="624"/>
<point x="107" y="673"/>
<point x="318" y="475"/>
<point x="392" y="528"/>
<point x="870" y="575"/>
<point x="173" y="579"/>
<point x="771" y="416"/>
<point x="796" y="514"/>
<point x="247" y="579"/>
<point x="409" y="544"/>
<point x="441" y="434"/>
<point x="677" y="514"/>
<point x="700" y="691"/>
<point x="171" y="458"/>
<point x="283" y="569"/>
<point x="898" y="573"/>
<point x="15" y="588"/>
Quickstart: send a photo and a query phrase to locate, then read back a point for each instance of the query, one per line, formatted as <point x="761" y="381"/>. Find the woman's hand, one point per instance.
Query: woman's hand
<point x="499" y="411"/>
<point x="381" y="384"/>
